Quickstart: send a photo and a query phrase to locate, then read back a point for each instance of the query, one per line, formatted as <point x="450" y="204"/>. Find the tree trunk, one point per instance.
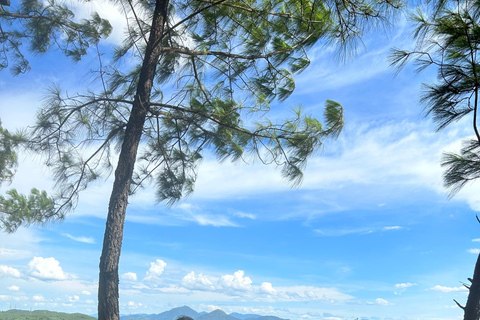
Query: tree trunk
<point x="108" y="307"/>
<point x="472" y="308"/>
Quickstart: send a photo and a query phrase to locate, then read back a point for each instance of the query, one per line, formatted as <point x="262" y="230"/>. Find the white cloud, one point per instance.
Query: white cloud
<point x="46" y="268"/>
<point x="156" y="268"/>
<point x="132" y="305"/>
<point x="152" y="276"/>
<point x="245" y="215"/>
<point x="197" y="282"/>
<point x="87" y="293"/>
<point x="129" y="276"/>
<point x="404" y="285"/>
<point x="192" y="213"/>
<point x="448" y="289"/>
<point x="310" y="293"/>
<point x="213" y="220"/>
<point x="239" y="286"/>
<point x="267" y="288"/>
<point x="73" y="298"/>
<point x="474" y="251"/>
<point x="106" y="10"/>
<point x="38" y="297"/>
<point x="235" y="282"/>
<point x="211" y="307"/>
<point x="79" y="239"/>
<point x="9" y="272"/>
<point x="476" y="240"/>
<point x="383" y="302"/>
<point x="351" y="231"/>
<point x="89" y="301"/>
<point x="13" y="288"/>
<point x="391" y="228"/>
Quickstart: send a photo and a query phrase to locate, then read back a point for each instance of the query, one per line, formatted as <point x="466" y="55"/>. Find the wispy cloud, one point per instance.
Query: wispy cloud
<point x="448" y="289"/>
<point x="352" y="231"/>
<point x="391" y="228"/>
<point x="79" y="239"/>
<point x="383" y="302"/>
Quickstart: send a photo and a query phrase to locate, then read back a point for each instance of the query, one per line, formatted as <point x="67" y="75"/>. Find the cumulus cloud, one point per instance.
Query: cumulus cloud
<point x="79" y="239"/>
<point x="156" y="268"/>
<point x="152" y="276"/>
<point x="13" y="288"/>
<point x="236" y="281"/>
<point x="448" y="289"/>
<point x="237" y="285"/>
<point x="474" y="251"/>
<point x="129" y="276"/>
<point x="267" y="288"/>
<point x="9" y="272"/>
<point x="197" y="282"/>
<point x="73" y="298"/>
<point x="87" y="293"/>
<point x="46" y="269"/>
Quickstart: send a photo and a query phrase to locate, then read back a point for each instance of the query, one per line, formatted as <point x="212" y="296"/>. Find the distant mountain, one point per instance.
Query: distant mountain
<point x="167" y="315"/>
<point x="216" y="315"/>
<point x="244" y="316"/>
<point x="41" y="315"/>
<point x="187" y="311"/>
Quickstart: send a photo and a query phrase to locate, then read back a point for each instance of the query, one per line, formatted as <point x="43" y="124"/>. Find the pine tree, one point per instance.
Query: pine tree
<point x="448" y="38"/>
<point x="228" y="59"/>
<point x="42" y="25"/>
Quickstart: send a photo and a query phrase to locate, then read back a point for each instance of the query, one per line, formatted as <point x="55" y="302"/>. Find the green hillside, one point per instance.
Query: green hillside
<point x="41" y="315"/>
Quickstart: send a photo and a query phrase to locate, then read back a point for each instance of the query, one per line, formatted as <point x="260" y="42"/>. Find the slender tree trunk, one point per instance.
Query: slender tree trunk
<point x="472" y="308"/>
<point x="108" y="307"/>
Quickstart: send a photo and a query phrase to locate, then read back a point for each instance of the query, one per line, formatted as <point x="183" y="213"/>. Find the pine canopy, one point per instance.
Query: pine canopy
<point x="448" y="38"/>
<point x="227" y="59"/>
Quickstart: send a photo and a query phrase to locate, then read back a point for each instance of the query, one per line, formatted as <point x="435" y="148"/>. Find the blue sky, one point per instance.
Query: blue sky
<point x="370" y="233"/>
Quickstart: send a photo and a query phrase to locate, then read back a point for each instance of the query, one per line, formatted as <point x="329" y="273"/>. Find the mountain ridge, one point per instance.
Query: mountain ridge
<point x="187" y="311"/>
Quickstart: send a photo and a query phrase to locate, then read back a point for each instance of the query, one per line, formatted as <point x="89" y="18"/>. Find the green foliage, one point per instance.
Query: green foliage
<point x="448" y="38"/>
<point x="228" y="60"/>
<point x="41" y="25"/>
<point x="17" y="209"/>
<point x="8" y="156"/>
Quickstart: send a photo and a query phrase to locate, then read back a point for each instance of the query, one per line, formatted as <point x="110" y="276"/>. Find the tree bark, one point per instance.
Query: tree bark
<point x="108" y="306"/>
<point x="472" y="308"/>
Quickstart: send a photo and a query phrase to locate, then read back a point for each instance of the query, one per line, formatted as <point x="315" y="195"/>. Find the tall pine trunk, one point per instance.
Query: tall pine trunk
<point x="108" y="307"/>
<point x="472" y="308"/>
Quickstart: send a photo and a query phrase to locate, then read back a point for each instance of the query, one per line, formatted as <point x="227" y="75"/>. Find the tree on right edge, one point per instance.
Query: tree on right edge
<point x="448" y="38"/>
